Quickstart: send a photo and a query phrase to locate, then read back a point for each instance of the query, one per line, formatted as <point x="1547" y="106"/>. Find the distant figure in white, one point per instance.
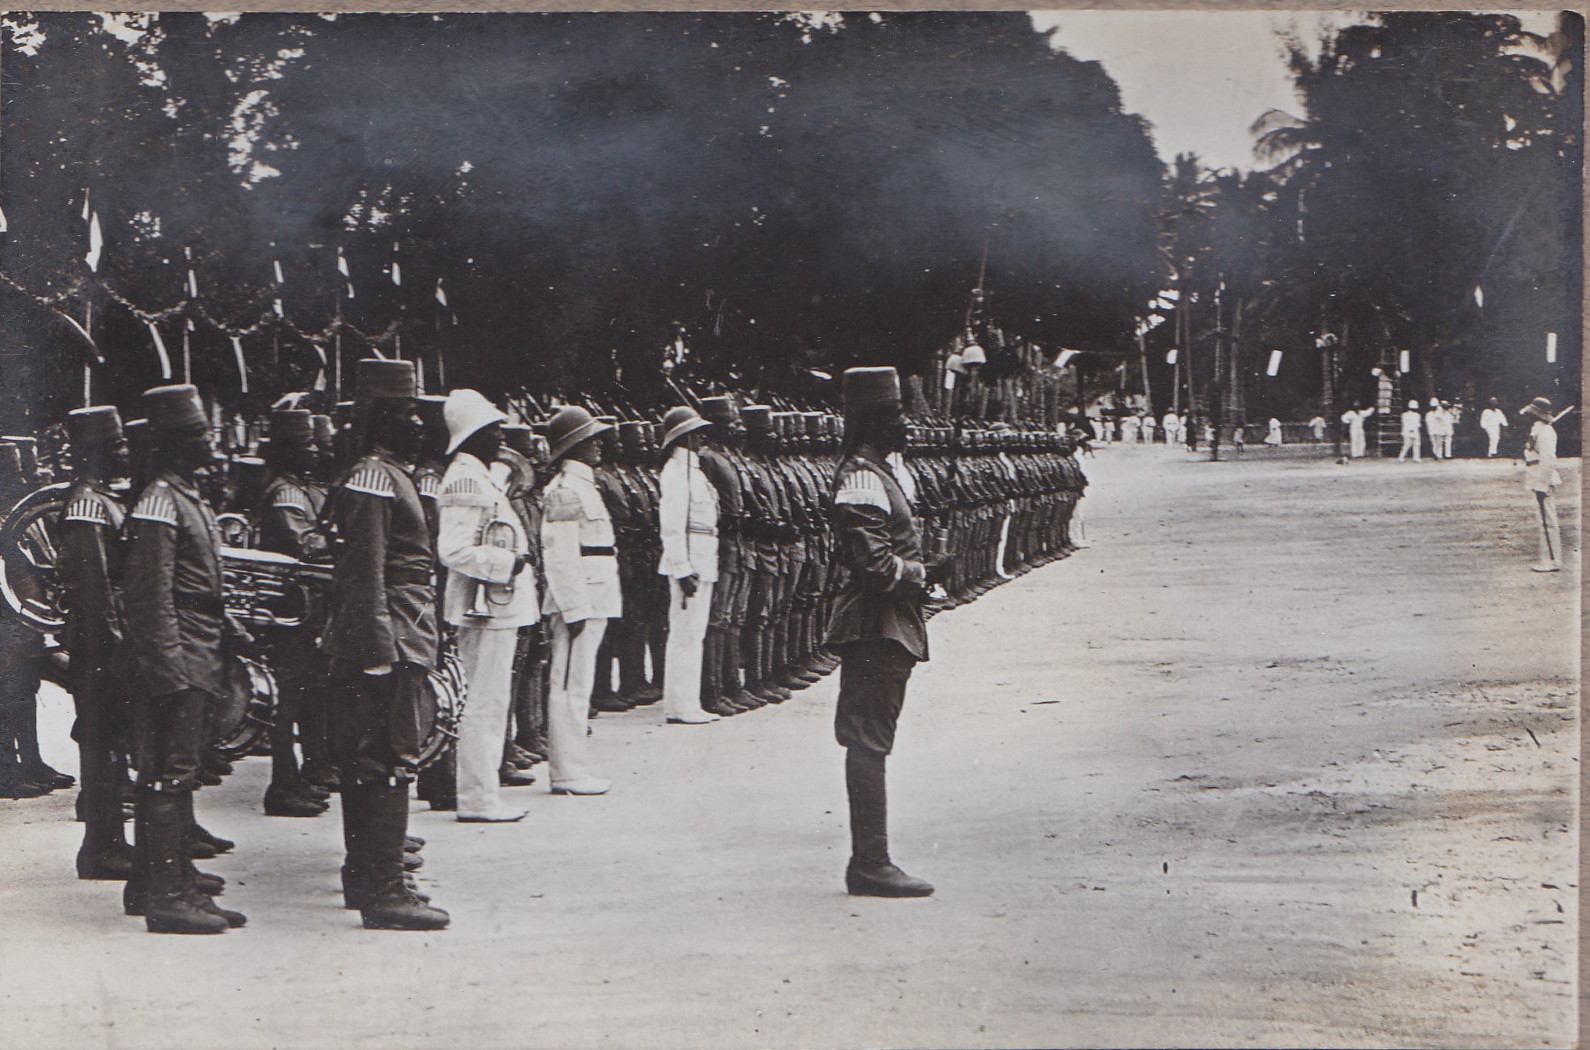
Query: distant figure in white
<point x="1354" y="418"/>
<point x="1273" y="438"/>
<point x="1170" y="425"/>
<point x="1438" y="424"/>
<point x="1317" y="425"/>
<point x="1130" y="425"/>
<point x="1492" y="420"/>
<point x="1410" y="432"/>
<point x="1541" y="480"/>
<point x="1146" y="433"/>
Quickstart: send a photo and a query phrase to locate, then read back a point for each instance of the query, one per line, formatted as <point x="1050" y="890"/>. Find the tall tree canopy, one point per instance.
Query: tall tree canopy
<point x="558" y="201"/>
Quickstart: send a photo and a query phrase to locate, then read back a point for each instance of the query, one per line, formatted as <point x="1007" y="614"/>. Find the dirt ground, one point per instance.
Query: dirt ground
<point x="1288" y="757"/>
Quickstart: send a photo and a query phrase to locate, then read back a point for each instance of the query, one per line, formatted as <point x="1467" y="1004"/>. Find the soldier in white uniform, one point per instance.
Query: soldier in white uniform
<point x="1354" y="418"/>
<point x="1541" y="479"/>
<point x="488" y="596"/>
<point x="1492" y="420"/>
<point x="1438" y="424"/>
<point x="582" y="591"/>
<point x="687" y="517"/>
<point x="1410" y="433"/>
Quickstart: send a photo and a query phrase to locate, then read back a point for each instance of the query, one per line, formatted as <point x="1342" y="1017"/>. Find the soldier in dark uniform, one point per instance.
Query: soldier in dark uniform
<point x="720" y="681"/>
<point x="878" y="629"/>
<point x="171" y="591"/>
<point x="525" y="455"/>
<point x="287" y="521"/>
<point x="23" y="773"/>
<point x="90" y="558"/>
<point x="381" y="638"/>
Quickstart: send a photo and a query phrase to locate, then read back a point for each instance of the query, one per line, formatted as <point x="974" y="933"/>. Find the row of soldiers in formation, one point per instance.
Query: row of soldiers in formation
<point x="696" y="557"/>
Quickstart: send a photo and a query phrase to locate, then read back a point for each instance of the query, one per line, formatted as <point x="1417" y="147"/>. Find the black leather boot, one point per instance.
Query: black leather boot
<point x="871" y="873"/>
<point x="391" y="903"/>
<point x="173" y="904"/>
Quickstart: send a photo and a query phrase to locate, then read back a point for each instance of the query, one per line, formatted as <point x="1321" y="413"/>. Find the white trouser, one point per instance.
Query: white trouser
<point x="569" y="701"/>
<point x="1494" y="436"/>
<point x="1548" y="527"/>
<point x="1004" y="541"/>
<point x="487" y="654"/>
<point x="1444" y="446"/>
<point x="1355" y="443"/>
<point x="687" y="633"/>
<point x="1410" y="443"/>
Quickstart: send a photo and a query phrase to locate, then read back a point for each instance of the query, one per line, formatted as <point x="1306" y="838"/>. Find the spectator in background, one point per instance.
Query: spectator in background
<point x="1492" y="420"/>
<point x="1541" y="479"/>
<point x="1410" y="433"/>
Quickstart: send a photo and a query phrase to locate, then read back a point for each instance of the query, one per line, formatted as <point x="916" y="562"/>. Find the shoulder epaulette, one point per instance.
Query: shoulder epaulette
<point x="430" y="485"/>
<point x="561" y="504"/>
<point x="86" y="508"/>
<point x="292" y="498"/>
<point x="372" y="481"/>
<point x="157" y="504"/>
<point x="464" y="486"/>
<point x="860" y="486"/>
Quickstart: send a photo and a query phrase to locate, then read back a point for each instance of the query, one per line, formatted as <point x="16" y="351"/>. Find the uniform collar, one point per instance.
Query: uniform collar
<point x="579" y="469"/>
<point x="178" y="482"/>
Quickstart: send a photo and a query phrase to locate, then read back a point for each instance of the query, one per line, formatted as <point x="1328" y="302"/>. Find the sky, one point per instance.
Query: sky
<point x="1203" y="77"/>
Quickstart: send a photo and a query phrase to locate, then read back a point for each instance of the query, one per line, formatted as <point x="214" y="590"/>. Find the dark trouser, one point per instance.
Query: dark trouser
<point x="380" y="722"/>
<point x="530" y="689"/>
<point x="173" y="733"/>
<point x="872" y="678"/>
<point x="302" y="685"/>
<point x="99" y="733"/>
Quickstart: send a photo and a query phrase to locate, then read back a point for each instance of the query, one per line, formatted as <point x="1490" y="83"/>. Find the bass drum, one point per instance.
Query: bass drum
<point x="448" y="691"/>
<point x="246" y="711"/>
<point x="30" y="543"/>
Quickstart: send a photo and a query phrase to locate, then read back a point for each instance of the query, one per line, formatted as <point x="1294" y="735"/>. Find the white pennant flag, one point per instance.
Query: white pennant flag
<point x="242" y="369"/>
<point x="193" y="286"/>
<point x="85" y="205"/>
<point x="397" y="273"/>
<point x="342" y="264"/>
<point x="3" y="224"/>
<point x="441" y="296"/>
<point x="1479" y="296"/>
<point x="350" y="289"/>
<point x="278" y="305"/>
<point x="160" y="349"/>
<point x="1170" y="356"/>
<point x="1551" y="348"/>
<point x="277" y="267"/>
<point x="95" y="243"/>
<point x="1275" y="363"/>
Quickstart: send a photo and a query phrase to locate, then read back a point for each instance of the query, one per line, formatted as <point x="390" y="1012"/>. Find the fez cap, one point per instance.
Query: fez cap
<point x="292" y="427"/>
<point x="757" y="417"/>
<point x="467" y="413"/>
<point x="719" y="409"/>
<point x="569" y="426"/>
<point x="679" y="422"/>
<point x="93" y="427"/>
<point x="433" y="411"/>
<point x="517" y="437"/>
<point x="1540" y="408"/>
<point x="174" y="407"/>
<point x="375" y="377"/>
<point x="864" y="387"/>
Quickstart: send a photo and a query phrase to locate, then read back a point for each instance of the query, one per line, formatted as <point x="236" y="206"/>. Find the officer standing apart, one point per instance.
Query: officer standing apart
<point x="1541" y="479"/>
<point x="878" y="628"/>
<point x="1355" y="418"/>
<point x="582" y="592"/>
<point x="687" y="516"/>
<point x="381" y="638"/>
<point x="482" y="543"/>
<point x="89" y="561"/>
<point x="172" y="591"/>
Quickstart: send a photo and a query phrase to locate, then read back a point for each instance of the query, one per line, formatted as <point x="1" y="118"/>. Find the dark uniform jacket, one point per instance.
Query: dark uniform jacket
<point x="878" y="543"/>
<point x="289" y="516"/>
<point x="383" y="597"/>
<point x="90" y="560"/>
<point x="171" y="589"/>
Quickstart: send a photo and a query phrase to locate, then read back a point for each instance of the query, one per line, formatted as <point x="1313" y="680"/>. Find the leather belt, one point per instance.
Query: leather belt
<point x="597" y="552"/>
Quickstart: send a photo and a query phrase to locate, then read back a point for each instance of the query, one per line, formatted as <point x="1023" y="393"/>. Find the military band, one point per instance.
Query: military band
<point x="718" y="559"/>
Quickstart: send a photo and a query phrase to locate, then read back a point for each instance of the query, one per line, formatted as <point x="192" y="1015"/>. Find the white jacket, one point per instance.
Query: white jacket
<point x="1540" y="459"/>
<point x="577" y="547"/>
<point x="470" y="501"/>
<point x="687" y="516"/>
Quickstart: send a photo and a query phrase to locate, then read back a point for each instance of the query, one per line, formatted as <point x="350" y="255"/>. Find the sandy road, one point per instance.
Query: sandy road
<point x="1288" y="757"/>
